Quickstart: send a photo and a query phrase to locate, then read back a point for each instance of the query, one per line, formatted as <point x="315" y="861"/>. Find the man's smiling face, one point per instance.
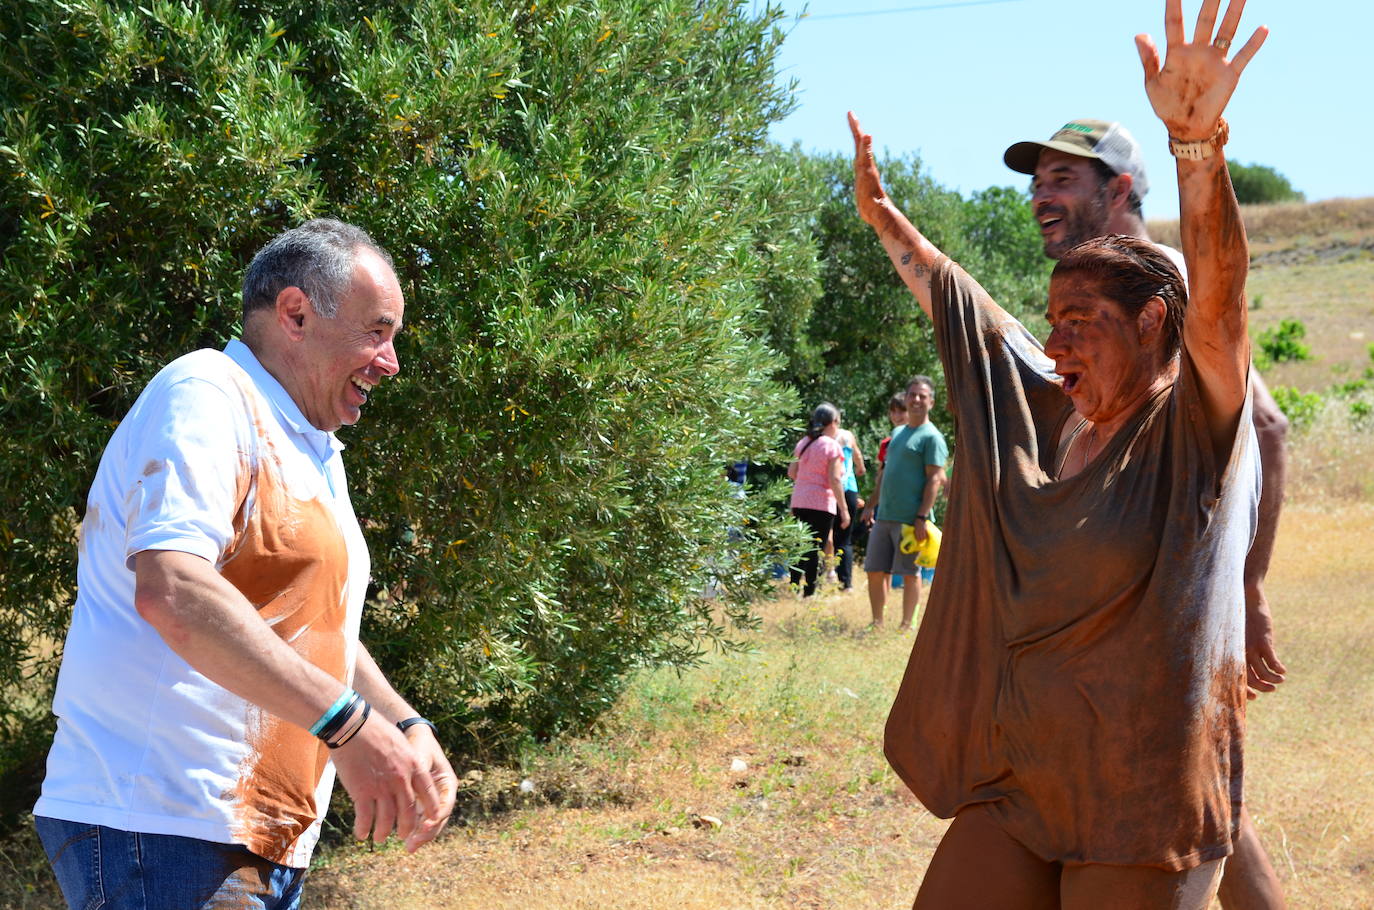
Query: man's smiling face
<point x="1069" y="199"/>
<point x="344" y="357"/>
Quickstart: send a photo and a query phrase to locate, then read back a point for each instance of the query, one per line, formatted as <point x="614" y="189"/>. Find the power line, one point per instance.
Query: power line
<point x="905" y="9"/>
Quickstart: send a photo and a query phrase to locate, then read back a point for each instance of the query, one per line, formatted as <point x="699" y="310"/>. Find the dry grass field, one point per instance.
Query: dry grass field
<point x="656" y="811"/>
<point x="818" y="821"/>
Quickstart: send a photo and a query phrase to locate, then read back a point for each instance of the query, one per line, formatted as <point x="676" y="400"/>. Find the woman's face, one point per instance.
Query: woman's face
<point x="1097" y="348"/>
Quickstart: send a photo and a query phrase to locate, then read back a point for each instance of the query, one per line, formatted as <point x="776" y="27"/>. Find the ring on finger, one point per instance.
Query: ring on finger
<point x="1222" y="44"/>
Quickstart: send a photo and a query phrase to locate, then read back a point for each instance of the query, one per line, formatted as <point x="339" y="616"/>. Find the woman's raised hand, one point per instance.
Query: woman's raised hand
<point x="1192" y="88"/>
<point x="868" y="186"/>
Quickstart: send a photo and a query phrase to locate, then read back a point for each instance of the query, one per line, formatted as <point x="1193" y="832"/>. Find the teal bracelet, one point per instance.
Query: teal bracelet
<point x="333" y="709"/>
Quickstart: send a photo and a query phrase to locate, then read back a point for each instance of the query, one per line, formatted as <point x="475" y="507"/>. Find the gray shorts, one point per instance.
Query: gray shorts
<point x="885" y="550"/>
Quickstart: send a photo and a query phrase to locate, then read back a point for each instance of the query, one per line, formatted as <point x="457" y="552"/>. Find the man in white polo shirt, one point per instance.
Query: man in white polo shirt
<point x="212" y="681"/>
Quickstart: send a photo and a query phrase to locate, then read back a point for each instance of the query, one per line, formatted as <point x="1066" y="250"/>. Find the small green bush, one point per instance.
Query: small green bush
<point x="1361" y="413"/>
<point x="1259" y="183"/>
<point x="1301" y="408"/>
<point x="1283" y="343"/>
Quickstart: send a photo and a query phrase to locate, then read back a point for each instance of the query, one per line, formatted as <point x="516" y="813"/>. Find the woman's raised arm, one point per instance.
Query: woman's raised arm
<point x="912" y="254"/>
<point x="1189" y="93"/>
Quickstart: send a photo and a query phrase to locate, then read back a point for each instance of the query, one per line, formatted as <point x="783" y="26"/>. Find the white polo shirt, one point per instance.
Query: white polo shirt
<point x="216" y="460"/>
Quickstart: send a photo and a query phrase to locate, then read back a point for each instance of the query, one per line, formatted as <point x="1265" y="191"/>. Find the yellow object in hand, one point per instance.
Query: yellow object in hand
<point x="927" y="551"/>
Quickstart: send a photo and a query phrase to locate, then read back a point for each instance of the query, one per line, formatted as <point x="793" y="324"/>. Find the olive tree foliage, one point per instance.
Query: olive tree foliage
<point x="866" y="333"/>
<point x="586" y="222"/>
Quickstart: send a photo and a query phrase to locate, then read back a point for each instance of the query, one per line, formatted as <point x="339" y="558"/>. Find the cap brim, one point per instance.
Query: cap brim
<point x="1024" y="156"/>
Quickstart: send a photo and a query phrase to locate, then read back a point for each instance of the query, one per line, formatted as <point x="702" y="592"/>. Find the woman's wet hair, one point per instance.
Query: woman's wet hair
<point x="897" y="402"/>
<point x="823" y="416"/>
<point x="1129" y="271"/>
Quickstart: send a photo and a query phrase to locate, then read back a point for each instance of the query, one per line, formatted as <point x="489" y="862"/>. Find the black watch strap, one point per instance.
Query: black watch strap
<point x="409" y="722"/>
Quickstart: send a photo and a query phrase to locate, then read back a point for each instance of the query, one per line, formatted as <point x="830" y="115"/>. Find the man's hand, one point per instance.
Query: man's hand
<point x="395" y="784"/>
<point x="1263" y="669"/>
<point x="436" y="765"/>
<point x="1191" y="90"/>
<point x="866" y="516"/>
<point x="868" y="186"/>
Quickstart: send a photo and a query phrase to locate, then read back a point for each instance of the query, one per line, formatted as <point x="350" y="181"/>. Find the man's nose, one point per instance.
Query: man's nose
<point x="387" y="361"/>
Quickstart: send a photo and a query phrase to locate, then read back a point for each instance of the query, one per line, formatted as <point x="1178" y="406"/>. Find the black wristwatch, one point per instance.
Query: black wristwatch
<point x="412" y="721"/>
<point x="923" y="518"/>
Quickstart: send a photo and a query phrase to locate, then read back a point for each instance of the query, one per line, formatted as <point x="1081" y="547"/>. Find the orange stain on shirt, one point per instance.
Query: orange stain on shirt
<point x="290" y="560"/>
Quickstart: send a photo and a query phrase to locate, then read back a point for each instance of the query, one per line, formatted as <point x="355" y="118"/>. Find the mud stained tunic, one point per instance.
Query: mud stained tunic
<point x="1080" y="665"/>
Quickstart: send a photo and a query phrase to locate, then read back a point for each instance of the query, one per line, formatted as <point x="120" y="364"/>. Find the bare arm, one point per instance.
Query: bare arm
<point x="437" y="785"/>
<point x="210" y="625"/>
<point x="860" y="469"/>
<point x="837" y="485"/>
<point x="935" y="479"/>
<point x="1189" y="94"/>
<point x="1264" y="669"/>
<point x="911" y="253"/>
<point x="871" y="507"/>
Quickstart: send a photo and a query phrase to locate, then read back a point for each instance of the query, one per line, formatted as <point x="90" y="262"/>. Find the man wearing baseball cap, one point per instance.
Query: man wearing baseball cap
<point x="1089" y="179"/>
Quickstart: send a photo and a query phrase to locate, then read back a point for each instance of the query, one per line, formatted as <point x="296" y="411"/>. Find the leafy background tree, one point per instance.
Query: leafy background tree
<point x="865" y="334"/>
<point x="1259" y="183"/>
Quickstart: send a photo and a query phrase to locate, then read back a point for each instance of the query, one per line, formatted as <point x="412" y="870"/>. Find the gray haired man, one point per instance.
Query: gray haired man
<point x="212" y="682"/>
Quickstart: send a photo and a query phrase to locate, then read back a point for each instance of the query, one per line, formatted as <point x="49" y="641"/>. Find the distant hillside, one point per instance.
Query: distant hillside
<point x="1294" y="233"/>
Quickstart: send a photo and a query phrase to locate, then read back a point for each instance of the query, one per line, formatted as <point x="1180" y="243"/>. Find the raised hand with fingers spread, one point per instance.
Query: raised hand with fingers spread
<point x="1190" y="91"/>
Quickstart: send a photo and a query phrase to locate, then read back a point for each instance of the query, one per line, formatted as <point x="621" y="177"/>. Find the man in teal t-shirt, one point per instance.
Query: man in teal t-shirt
<point x="908" y="482"/>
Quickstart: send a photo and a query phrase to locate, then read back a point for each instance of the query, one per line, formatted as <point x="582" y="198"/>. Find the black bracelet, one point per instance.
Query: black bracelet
<point x="409" y="722"/>
<point x="351" y="732"/>
<point x="923" y="517"/>
<point x="342" y="717"/>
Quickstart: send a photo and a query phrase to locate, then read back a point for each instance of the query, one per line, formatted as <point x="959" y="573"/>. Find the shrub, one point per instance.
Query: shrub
<point x="1259" y="183"/>
<point x="1361" y="412"/>
<point x="577" y="197"/>
<point x="1299" y="407"/>
<point x="1283" y="343"/>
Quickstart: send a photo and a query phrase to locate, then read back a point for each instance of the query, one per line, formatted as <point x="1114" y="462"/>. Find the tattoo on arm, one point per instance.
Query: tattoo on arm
<point x="920" y="271"/>
<point x="906" y="257"/>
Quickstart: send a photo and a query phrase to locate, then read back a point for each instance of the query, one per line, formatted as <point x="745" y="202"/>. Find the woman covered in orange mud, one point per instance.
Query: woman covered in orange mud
<point x="1075" y="697"/>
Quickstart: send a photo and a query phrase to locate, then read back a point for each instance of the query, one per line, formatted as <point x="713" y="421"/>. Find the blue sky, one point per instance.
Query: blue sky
<point x="958" y="84"/>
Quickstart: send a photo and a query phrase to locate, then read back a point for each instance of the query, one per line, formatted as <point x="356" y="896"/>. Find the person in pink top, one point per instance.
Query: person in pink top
<point x="818" y="497"/>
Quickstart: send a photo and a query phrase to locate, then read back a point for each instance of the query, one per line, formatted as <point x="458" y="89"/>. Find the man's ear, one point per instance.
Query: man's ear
<point x="1121" y="186"/>
<point x="293" y="309"/>
<point x="1149" y="321"/>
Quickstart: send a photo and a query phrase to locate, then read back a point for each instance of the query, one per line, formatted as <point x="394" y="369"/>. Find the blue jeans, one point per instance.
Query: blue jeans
<point x="122" y="870"/>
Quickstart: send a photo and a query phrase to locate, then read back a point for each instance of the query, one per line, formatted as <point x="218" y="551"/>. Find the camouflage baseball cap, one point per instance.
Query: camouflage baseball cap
<point x="1110" y="143"/>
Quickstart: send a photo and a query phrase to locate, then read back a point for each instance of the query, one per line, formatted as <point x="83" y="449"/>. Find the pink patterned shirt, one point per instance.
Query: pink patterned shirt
<point x="813" y="489"/>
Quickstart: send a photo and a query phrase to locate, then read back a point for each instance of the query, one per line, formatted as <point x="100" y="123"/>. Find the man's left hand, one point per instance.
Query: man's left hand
<point x="1263" y="669"/>
<point x="432" y="760"/>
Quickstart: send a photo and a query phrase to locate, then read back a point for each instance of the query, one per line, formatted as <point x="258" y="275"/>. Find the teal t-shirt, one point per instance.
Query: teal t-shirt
<point x="904" y="472"/>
